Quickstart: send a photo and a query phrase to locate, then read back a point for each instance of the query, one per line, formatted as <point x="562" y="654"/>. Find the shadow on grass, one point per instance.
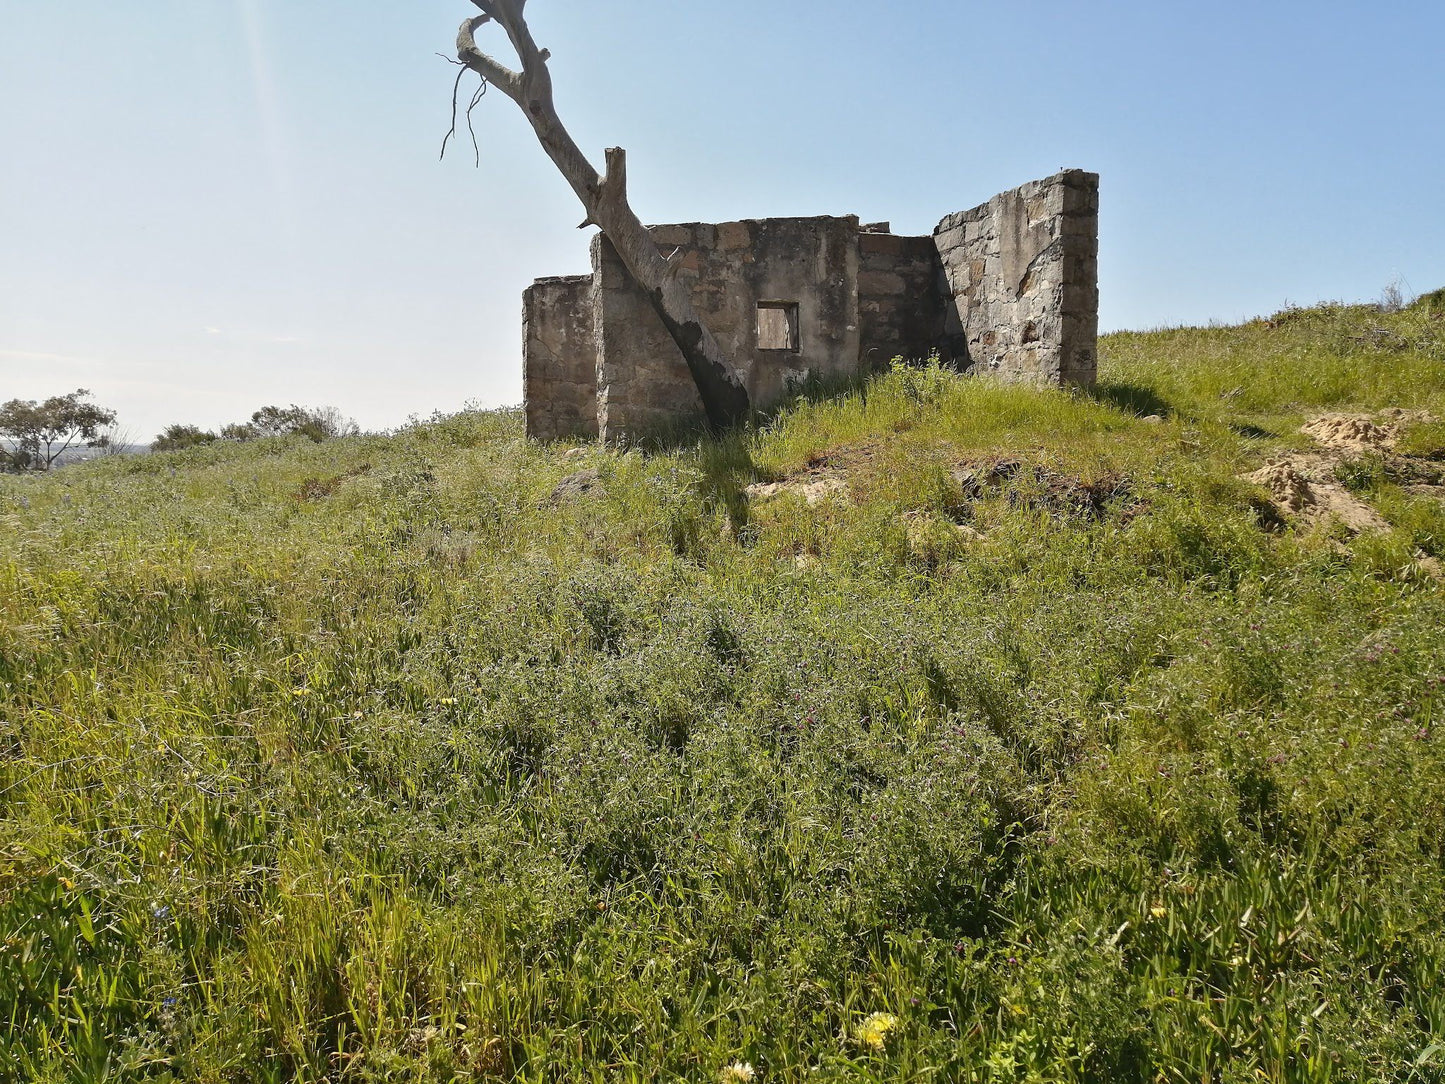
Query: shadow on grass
<point x="1254" y="432"/>
<point x="725" y="458"/>
<point x="726" y="463"/>
<point x="1133" y="399"/>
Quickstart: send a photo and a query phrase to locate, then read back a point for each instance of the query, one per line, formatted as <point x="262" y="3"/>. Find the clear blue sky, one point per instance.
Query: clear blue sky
<point x="209" y="205"/>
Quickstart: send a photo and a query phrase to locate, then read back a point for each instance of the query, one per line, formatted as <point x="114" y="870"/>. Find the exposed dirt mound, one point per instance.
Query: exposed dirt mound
<point x="1289" y="489"/>
<point x="1042" y="490"/>
<point x="1305" y="487"/>
<point x="1351" y="432"/>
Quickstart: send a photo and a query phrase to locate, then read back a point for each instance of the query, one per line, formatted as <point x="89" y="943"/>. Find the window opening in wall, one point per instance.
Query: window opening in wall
<point x="778" y="325"/>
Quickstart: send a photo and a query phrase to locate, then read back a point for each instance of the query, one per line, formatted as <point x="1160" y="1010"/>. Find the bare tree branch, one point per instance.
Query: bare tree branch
<point x="503" y="78"/>
<point x="723" y="394"/>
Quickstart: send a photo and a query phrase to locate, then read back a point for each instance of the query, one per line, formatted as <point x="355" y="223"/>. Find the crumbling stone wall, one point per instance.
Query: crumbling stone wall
<point x="1021" y="294"/>
<point x="559" y="381"/>
<point x="899" y="303"/>
<point x="1009" y="288"/>
<point x="808" y="266"/>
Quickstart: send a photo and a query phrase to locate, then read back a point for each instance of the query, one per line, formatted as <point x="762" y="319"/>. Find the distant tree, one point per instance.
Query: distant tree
<point x="318" y="423"/>
<point x="326" y="423"/>
<point x="179" y="437"/>
<point x="240" y="431"/>
<point x="275" y="421"/>
<point x="42" y="432"/>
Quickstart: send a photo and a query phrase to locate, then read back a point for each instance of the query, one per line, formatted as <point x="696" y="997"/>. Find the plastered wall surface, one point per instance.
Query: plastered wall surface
<point x="559" y="380"/>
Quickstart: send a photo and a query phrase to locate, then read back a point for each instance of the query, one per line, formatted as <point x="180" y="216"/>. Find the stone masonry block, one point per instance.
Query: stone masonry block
<point x="950" y="239"/>
<point x="879" y="283"/>
<point x="672" y="235"/>
<point x="880" y="244"/>
<point x="734" y="236"/>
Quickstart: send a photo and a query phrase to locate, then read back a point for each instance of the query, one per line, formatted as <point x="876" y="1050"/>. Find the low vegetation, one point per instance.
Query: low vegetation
<point x="938" y="731"/>
<point x="315" y="423"/>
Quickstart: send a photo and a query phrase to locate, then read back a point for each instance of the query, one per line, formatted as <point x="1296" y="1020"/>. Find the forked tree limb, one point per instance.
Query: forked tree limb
<point x="724" y="397"/>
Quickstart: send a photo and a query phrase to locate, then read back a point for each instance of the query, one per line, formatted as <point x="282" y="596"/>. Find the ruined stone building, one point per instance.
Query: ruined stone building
<point x="1009" y="288"/>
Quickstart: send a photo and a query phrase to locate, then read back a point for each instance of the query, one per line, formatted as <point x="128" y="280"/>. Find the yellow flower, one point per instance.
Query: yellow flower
<point x="1158" y="912"/>
<point x="739" y="1072"/>
<point x="873" y="1032"/>
<point x="448" y="700"/>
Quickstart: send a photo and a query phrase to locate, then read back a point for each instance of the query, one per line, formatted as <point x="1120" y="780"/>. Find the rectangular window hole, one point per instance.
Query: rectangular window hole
<point x="778" y="325"/>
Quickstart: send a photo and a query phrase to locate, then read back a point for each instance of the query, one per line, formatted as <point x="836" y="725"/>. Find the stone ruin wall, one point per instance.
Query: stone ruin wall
<point x="559" y="380"/>
<point x="899" y="303"/>
<point x="1009" y="288"/>
<point x="643" y="382"/>
<point x="1021" y="282"/>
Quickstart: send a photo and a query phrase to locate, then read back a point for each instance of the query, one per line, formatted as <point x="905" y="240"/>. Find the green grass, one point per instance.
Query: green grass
<point x="366" y="761"/>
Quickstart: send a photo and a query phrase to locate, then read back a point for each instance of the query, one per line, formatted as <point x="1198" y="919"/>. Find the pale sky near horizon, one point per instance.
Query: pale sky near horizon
<point x="211" y="205"/>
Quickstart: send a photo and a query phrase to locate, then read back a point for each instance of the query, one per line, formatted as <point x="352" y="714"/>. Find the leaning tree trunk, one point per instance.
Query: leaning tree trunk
<point x="723" y="395"/>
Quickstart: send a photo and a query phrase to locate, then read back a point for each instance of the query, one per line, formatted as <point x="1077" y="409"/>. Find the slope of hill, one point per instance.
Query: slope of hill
<point x="937" y="731"/>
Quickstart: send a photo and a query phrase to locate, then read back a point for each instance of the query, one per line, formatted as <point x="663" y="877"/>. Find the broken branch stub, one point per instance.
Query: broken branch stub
<point x="724" y="397"/>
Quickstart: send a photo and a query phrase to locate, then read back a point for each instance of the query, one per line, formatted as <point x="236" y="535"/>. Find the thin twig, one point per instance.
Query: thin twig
<point x="448" y="137"/>
<point x="476" y="150"/>
<point x="476" y="98"/>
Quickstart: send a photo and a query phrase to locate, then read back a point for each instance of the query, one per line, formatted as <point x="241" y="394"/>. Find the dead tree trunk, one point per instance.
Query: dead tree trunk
<point x="723" y="395"/>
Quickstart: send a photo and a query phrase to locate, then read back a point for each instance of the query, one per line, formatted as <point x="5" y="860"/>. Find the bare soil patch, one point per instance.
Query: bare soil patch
<point x="318" y="489"/>
<point x="1306" y="485"/>
<point x="814" y="491"/>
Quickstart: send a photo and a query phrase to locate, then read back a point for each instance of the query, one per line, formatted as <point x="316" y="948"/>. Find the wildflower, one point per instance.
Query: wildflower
<point x="1236" y="961"/>
<point x="1158" y="912"/>
<point x="739" y="1072"/>
<point x="873" y="1032"/>
<point x="447" y="700"/>
<point x="300" y="692"/>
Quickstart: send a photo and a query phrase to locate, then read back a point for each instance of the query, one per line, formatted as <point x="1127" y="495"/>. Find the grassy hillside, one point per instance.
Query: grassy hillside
<point x="1008" y="736"/>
